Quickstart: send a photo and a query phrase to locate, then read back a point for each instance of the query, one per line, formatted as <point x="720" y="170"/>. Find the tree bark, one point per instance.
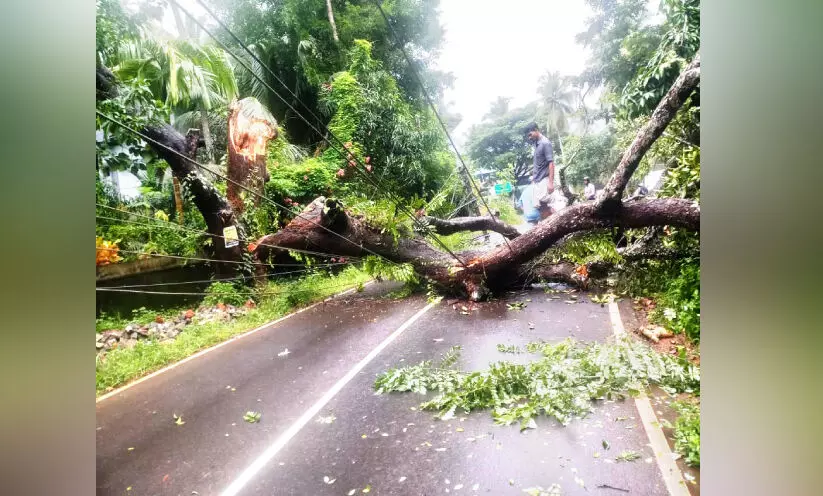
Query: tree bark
<point x="331" y="21"/>
<point x="682" y="88"/>
<point x="247" y="156"/>
<point x="487" y="272"/>
<point x="204" y="127"/>
<point x="458" y="224"/>
<point x="325" y="227"/>
<point x="217" y="212"/>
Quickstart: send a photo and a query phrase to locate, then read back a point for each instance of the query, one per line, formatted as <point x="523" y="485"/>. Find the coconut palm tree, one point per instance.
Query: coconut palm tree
<point x="558" y="98"/>
<point x="190" y="78"/>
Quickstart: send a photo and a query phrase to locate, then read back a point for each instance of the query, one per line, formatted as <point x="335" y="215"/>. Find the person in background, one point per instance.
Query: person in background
<point x="588" y="191"/>
<point x="530" y="212"/>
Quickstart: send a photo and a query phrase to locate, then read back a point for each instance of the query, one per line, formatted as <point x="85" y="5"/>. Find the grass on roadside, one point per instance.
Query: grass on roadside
<point x="687" y="432"/>
<point x="277" y="299"/>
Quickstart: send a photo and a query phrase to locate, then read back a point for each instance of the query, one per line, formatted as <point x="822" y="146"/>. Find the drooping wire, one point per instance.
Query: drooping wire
<point x="171" y="225"/>
<point x="239" y="278"/>
<point x="434" y="109"/>
<point x="203" y="167"/>
<point x="221" y="176"/>
<point x="245" y="293"/>
<point x="398" y="204"/>
<point x="200" y="259"/>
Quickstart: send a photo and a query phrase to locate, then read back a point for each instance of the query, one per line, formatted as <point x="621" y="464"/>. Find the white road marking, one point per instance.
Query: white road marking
<point x="261" y="461"/>
<point x="672" y="477"/>
<point x="219" y="345"/>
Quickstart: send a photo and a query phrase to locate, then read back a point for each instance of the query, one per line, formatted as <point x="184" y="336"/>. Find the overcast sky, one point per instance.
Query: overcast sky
<point x="501" y="48"/>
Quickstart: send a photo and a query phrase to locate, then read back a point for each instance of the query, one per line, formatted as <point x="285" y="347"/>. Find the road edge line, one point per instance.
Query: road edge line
<point x="246" y="475"/>
<point x="221" y="344"/>
<point x="672" y="477"/>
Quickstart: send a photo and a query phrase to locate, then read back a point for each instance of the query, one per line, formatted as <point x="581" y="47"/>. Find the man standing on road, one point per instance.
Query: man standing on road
<point x="545" y="197"/>
<point x="588" y="191"/>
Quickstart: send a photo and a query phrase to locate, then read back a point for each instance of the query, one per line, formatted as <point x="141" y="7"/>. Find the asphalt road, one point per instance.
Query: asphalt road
<point x="356" y="440"/>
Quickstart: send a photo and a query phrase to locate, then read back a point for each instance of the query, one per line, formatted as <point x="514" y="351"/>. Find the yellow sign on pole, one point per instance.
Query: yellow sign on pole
<point x="230" y="236"/>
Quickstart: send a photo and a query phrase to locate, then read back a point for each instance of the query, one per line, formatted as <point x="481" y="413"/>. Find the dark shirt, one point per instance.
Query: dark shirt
<point x="542" y="156"/>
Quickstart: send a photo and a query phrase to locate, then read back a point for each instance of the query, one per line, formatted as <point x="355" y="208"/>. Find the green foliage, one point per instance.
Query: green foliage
<point x="687" y="431"/>
<point x="502" y="348"/>
<point x="593" y="246"/>
<point x="508" y="213"/>
<point x="118" y="148"/>
<point x="678" y="305"/>
<point x="139" y="234"/>
<point x="562" y="383"/>
<point x="294" y="38"/>
<point x="406" y="147"/>
<point x="379" y="268"/>
<point x="628" y="456"/>
<point x="683" y="180"/>
<point x="423" y="377"/>
<point x="593" y="155"/>
<point x="499" y="142"/>
<point x="226" y="293"/>
<point x="380" y="213"/>
<point x="252" y="417"/>
<point x="679" y="44"/>
<point x="459" y="240"/>
<point x="112" y="26"/>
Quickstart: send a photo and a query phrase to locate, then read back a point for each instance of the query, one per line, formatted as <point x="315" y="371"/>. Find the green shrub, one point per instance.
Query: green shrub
<point x="224" y="292"/>
<point x="687" y="432"/>
<point x="678" y="306"/>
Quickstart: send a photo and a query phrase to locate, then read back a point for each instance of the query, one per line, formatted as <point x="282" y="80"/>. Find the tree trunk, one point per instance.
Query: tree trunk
<point x="661" y="117"/>
<point x="471" y="208"/>
<point x="178" y="199"/>
<point x="247" y="141"/>
<point x="331" y="21"/>
<point x="204" y="127"/>
<point x="217" y="212"/>
<point x="325" y="227"/>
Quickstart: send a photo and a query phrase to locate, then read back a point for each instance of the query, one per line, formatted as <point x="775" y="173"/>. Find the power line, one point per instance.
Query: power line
<point x="203" y="281"/>
<point x="203" y="167"/>
<point x="348" y="153"/>
<point x="249" y="293"/>
<point x="434" y="109"/>
<point x="181" y="257"/>
<point x="170" y="225"/>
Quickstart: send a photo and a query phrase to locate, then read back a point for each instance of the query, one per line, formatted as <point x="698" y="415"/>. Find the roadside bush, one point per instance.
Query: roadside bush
<point x="687" y="432"/>
<point x="226" y="293"/>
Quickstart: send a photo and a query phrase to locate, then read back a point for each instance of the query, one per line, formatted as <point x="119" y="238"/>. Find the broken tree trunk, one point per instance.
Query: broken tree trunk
<point x="216" y="211"/>
<point x="250" y="129"/>
<point x="325" y="227"/>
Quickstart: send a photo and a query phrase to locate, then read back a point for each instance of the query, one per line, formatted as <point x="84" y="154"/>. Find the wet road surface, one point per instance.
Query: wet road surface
<point x="359" y="440"/>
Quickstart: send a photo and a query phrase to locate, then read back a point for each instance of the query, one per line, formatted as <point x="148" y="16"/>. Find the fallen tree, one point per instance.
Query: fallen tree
<point x="324" y="225"/>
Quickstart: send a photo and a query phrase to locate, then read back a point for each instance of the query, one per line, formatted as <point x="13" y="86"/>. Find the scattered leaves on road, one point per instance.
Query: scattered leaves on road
<point x="553" y="490"/>
<point x="502" y="348"/>
<point x="284" y="352"/>
<point x="178" y="419"/>
<point x="558" y="383"/>
<point x="328" y="480"/>
<point x="518" y="305"/>
<point x="628" y="456"/>
<point x="252" y="417"/>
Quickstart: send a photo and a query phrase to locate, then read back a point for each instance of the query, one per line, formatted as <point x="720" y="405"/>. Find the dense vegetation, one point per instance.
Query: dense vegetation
<point x="350" y="78"/>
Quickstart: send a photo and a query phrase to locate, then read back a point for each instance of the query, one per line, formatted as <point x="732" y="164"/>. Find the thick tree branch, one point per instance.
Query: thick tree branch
<point x="459" y="224"/>
<point x="662" y="116"/>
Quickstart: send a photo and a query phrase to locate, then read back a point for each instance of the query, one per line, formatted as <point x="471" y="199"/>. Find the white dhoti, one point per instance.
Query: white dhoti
<point x="556" y="200"/>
